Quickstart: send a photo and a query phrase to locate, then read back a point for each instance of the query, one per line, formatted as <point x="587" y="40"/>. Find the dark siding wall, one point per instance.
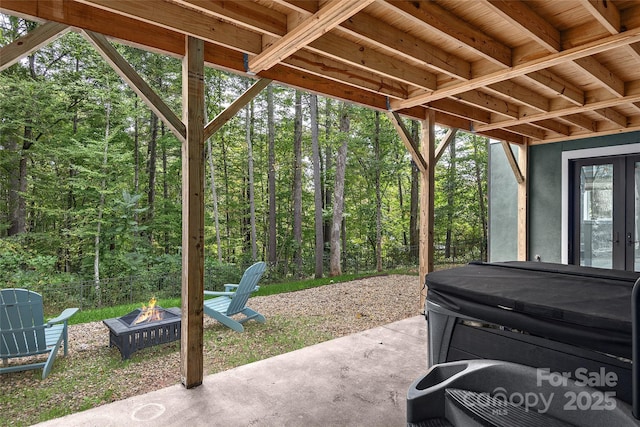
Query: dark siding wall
<point x="545" y="197"/>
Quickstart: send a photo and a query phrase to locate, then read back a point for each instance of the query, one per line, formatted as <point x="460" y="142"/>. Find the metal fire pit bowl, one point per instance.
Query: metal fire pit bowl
<point x="130" y="338"/>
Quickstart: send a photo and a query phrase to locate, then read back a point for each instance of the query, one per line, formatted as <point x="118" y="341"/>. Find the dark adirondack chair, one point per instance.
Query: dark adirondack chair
<point x="24" y="333"/>
<point x="234" y="300"/>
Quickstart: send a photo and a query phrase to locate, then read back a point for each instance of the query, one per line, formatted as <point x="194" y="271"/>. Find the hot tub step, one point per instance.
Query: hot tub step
<point x="433" y="422"/>
<point x="469" y="408"/>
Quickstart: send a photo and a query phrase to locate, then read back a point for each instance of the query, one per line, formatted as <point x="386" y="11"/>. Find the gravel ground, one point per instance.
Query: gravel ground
<point x="341" y="308"/>
<point x="93" y="374"/>
<point x="329" y="312"/>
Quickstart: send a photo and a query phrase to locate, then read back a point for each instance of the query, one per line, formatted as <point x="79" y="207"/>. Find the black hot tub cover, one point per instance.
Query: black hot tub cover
<point x="588" y="307"/>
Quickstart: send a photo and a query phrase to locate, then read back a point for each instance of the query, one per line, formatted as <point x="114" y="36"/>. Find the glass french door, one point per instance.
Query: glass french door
<point x="606" y="212"/>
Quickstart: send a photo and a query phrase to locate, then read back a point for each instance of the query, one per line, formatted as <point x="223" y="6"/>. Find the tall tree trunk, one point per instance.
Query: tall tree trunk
<point x="18" y="181"/>
<point x="414" y="223"/>
<point x="481" y="199"/>
<point x="317" y="188"/>
<point x="103" y="186"/>
<point x="252" y="202"/>
<point x="151" y="170"/>
<point x="376" y="147"/>
<point x="451" y="189"/>
<point x="335" y="269"/>
<point x="165" y="186"/>
<point x="297" y="185"/>
<point x="214" y="196"/>
<point x="225" y="179"/>
<point x="136" y="152"/>
<point x="328" y="155"/>
<point x="271" y="172"/>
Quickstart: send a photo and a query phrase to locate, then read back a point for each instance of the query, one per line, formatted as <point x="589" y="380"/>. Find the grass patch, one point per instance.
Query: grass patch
<point x="96" y="375"/>
<point x="95" y="315"/>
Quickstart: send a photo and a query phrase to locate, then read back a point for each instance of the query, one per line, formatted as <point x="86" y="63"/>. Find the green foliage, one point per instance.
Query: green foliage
<point x="65" y="110"/>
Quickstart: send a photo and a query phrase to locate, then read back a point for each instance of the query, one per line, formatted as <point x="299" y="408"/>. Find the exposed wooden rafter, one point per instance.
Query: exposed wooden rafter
<point x="330" y="15"/>
<point x="139" y="86"/>
<point x="30" y="42"/>
<point x="228" y="113"/>
<point x="499" y="67"/>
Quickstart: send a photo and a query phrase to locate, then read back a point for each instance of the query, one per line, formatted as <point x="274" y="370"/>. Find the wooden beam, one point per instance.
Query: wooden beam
<point x="411" y="48"/>
<point x="137" y="83"/>
<point x="187" y="21"/>
<point x="560" y="86"/>
<point x="605" y="12"/>
<point x="581" y="121"/>
<point x="192" y="332"/>
<point x="609" y="80"/>
<point x="519" y="14"/>
<point x="513" y="162"/>
<point x="330" y="15"/>
<point x="361" y="56"/>
<point x="612" y="116"/>
<point x="448" y="139"/>
<point x="523" y="197"/>
<point x="455" y="29"/>
<point x="30" y="42"/>
<point x="214" y="125"/>
<point x="427" y="210"/>
<point x="602" y="45"/>
<point x="408" y="141"/>
<point x="632" y="95"/>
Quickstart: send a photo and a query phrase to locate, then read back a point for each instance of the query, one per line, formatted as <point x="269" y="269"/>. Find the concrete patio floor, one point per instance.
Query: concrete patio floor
<point x="357" y="380"/>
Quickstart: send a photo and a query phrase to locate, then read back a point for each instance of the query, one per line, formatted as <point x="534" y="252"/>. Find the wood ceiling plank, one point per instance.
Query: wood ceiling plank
<point x="488" y="102"/>
<point x="581" y="121"/>
<point x="249" y="15"/>
<point x="455" y="29"/>
<point x="461" y="110"/>
<point x="341" y="72"/>
<point x="633" y="95"/>
<point x="30" y="42"/>
<point x="519" y="14"/>
<point x="186" y="21"/>
<point x="613" y="116"/>
<point x="553" y="125"/>
<point x="560" y="86"/>
<point x="609" y="80"/>
<point x="520" y="94"/>
<point x="553" y="59"/>
<point x="361" y="56"/>
<point x="330" y="15"/>
<point x="606" y="13"/>
<point x="528" y="131"/>
<point x="398" y="42"/>
<point x="139" y="86"/>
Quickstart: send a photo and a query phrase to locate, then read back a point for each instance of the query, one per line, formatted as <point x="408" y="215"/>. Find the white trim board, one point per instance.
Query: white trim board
<point x="614" y="150"/>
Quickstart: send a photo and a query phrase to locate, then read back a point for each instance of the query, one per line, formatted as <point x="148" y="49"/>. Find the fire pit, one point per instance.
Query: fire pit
<point x="143" y="328"/>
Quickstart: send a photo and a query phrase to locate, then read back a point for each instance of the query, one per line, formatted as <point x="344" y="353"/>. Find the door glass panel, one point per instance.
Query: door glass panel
<point x="636" y="217"/>
<point x="596" y="216"/>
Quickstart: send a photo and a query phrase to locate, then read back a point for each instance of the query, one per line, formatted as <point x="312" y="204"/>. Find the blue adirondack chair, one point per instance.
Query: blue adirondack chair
<point x="234" y="300"/>
<point x="23" y="331"/>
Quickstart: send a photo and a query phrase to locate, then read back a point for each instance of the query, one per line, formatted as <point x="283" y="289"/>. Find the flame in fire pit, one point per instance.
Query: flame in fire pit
<point x="150" y="313"/>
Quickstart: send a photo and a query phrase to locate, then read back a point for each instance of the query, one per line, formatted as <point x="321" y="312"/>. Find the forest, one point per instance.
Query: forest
<point x="91" y="187"/>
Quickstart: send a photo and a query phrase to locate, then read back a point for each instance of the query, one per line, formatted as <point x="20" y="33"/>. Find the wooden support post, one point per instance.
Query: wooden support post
<point x="523" y="165"/>
<point x="191" y="350"/>
<point x="427" y="189"/>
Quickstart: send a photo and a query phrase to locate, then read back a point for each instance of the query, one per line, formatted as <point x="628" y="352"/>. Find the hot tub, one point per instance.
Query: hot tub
<point x="551" y="316"/>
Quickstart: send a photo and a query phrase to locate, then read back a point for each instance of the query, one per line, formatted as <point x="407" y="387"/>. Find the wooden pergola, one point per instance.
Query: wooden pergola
<point x="522" y="72"/>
